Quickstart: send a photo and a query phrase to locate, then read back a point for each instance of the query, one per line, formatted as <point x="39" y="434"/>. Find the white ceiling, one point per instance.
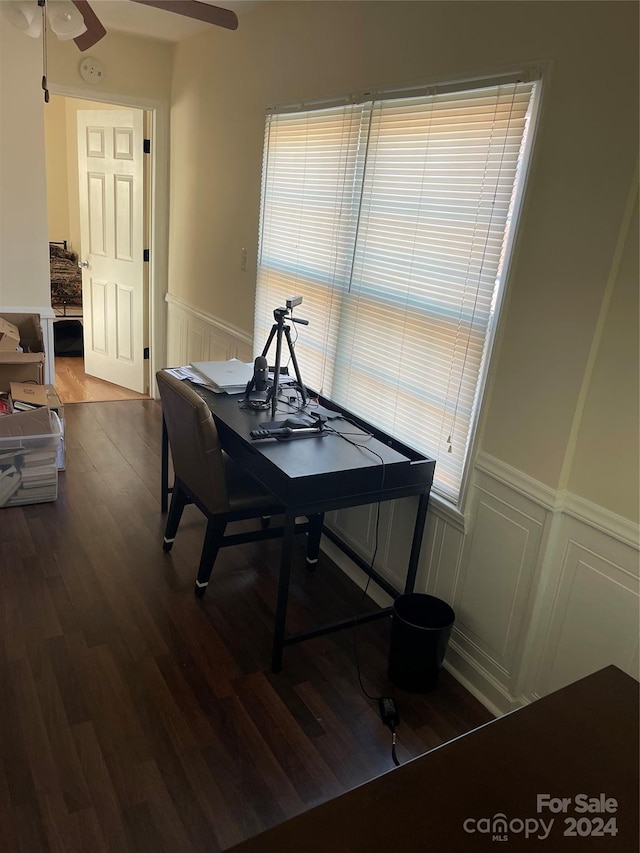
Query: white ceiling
<point x="136" y="19"/>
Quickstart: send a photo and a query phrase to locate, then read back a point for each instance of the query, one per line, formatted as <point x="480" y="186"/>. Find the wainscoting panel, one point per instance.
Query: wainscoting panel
<point x="494" y="594"/>
<point x="441" y="557"/>
<point x="193" y="335"/>
<point x="196" y="344"/>
<point x="177" y="326"/>
<point x="593" y="616"/>
<point x="356" y="526"/>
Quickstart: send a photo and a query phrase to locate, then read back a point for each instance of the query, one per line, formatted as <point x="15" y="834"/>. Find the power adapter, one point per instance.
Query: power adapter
<point x="388" y="712"/>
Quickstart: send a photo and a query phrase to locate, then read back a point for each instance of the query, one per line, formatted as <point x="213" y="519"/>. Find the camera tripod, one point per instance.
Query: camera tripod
<point x="279" y="329"/>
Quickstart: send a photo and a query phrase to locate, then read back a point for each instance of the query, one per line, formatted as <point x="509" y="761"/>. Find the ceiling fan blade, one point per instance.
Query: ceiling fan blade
<point x="95" y="30"/>
<point x="200" y="11"/>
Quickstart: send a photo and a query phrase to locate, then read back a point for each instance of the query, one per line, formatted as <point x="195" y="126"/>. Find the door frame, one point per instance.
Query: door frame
<point x="158" y="212"/>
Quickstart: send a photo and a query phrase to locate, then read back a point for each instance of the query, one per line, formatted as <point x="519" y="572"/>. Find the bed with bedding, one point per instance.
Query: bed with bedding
<point x="66" y="300"/>
<point x="66" y="280"/>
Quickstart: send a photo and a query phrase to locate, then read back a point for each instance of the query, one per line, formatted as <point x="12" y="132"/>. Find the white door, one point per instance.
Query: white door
<point x="110" y="167"/>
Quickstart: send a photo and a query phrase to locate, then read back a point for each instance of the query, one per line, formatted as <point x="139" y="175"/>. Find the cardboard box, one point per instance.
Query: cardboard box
<point x="31" y="337"/>
<point x="21" y="367"/>
<point x="9" y="336"/>
<point x="27" y="366"/>
<point x="36" y="395"/>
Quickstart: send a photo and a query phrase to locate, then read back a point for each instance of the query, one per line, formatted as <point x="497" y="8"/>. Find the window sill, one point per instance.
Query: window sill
<point x="448" y="512"/>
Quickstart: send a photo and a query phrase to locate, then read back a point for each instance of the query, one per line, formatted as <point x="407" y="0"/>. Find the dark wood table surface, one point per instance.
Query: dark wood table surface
<point x="570" y="758"/>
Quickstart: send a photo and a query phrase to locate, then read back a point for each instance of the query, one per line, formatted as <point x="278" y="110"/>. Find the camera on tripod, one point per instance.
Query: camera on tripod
<point x="278" y="331"/>
<point x="280" y="314"/>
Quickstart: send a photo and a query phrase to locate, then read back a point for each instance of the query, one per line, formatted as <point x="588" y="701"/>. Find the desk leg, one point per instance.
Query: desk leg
<point x="283" y="591"/>
<point x="418" y="532"/>
<point x="164" y="469"/>
<point x="313" y="539"/>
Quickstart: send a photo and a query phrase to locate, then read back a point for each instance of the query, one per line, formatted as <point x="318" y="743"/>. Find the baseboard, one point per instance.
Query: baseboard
<point x="479" y="682"/>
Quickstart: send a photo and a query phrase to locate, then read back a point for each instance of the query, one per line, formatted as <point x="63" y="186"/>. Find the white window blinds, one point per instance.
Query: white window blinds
<point x="392" y="219"/>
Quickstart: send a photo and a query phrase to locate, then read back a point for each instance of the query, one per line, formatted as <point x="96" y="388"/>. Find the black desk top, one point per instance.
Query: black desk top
<point x="580" y="744"/>
<point x="310" y="471"/>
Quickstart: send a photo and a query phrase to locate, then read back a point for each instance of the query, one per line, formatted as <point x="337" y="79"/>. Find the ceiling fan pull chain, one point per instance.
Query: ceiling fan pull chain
<point x="44" y="51"/>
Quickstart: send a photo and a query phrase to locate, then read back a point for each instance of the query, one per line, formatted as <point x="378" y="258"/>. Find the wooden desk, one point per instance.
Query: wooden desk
<point x="314" y="475"/>
<point x="581" y="740"/>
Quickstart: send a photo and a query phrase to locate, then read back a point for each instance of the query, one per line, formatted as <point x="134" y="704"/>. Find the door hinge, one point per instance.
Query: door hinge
<point x="146" y="146"/>
<point x="145" y="256"/>
<point x="145" y="353"/>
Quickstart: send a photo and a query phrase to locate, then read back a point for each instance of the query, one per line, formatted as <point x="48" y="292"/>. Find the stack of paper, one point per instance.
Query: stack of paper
<point x="231" y="376"/>
<point x="9" y="480"/>
<point x="28" y="458"/>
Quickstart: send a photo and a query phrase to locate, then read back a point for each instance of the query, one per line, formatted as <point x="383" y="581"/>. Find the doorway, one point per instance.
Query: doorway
<point x="68" y="230"/>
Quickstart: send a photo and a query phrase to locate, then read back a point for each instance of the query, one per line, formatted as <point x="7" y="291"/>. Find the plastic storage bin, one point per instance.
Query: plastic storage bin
<point x="29" y="466"/>
<point x="420" y="629"/>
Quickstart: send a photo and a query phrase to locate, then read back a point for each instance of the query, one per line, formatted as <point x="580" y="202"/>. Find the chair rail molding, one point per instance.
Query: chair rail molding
<point x="609" y="523"/>
<point x="518" y="481"/>
<point x="561" y="501"/>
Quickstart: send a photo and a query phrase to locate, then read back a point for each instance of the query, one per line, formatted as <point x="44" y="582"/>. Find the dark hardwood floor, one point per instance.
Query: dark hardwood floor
<point x="136" y="717"/>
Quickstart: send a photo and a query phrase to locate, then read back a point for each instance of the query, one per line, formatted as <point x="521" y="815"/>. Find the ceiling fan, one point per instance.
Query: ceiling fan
<point x="75" y="19"/>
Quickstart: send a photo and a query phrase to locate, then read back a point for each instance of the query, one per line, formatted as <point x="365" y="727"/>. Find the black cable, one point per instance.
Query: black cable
<point x="390" y="718"/>
<point x="393" y="749"/>
<point x="356" y="620"/>
<point x="263" y="405"/>
<point x="388" y="712"/>
<point x="373" y="558"/>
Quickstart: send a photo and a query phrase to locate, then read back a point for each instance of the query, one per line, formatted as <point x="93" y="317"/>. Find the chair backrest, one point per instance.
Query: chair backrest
<point x="194" y="443"/>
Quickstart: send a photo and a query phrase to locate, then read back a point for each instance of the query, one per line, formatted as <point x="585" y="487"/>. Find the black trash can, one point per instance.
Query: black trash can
<point x="420" y="629"/>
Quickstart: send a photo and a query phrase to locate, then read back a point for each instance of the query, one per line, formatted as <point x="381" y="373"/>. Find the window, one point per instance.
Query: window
<point x="392" y="218"/>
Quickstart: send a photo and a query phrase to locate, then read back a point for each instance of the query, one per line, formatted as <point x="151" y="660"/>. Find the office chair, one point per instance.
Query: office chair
<point x="207" y="477"/>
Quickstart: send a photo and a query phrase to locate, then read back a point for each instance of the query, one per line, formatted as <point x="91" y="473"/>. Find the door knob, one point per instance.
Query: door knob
<point x="83" y="264"/>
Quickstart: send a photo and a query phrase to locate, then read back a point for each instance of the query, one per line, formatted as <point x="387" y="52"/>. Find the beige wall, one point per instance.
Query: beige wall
<point x="606" y="462"/>
<point x="24" y="257"/>
<point x="134" y="67"/>
<point x="581" y="173"/>
<point x="55" y="132"/>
